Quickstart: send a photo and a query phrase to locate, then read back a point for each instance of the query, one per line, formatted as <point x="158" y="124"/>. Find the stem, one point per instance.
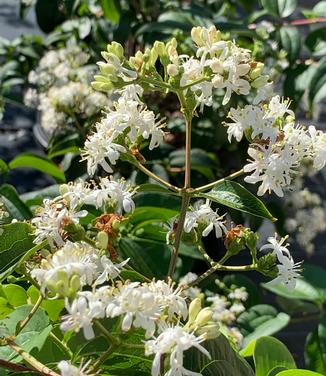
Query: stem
<point x="216" y="267"/>
<point x="209" y="260"/>
<point x="40" y="367"/>
<point x="90" y="241"/>
<point x="184" y="192"/>
<point x="159" y="84"/>
<point x="211" y="185"/>
<point x="61" y="345"/>
<point x="30" y="315"/>
<point x="195" y="82"/>
<point x="112" y="339"/>
<point x="14" y="366"/>
<point x="102" y="359"/>
<point x="151" y="174"/>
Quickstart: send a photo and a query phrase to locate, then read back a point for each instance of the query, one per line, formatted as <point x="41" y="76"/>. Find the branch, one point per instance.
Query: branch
<point x="211" y="185"/>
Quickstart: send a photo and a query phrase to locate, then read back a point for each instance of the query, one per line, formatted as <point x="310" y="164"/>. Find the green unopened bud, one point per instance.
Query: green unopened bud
<point x="101" y="86"/>
<point x="116" y="49"/>
<point x="209" y="331"/>
<point x="267" y="265"/>
<point x="194" y="309"/>
<point x="260" y="82"/>
<point x="75" y="283"/>
<point x="204" y="316"/>
<point x="159" y="48"/>
<point x="63" y="189"/>
<point x="289" y="119"/>
<point x="196" y="35"/>
<point x="189" y="237"/>
<point x="102" y="240"/>
<point x="137" y="61"/>
<point x="256" y="72"/>
<point x="106" y="68"/>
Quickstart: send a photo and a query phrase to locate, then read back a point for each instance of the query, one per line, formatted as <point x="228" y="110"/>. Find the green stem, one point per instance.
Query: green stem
<point x="211" y="185"/>
<point x="209" y="260"/>
<point x="61" y="345"/>
<point x="151" y="174"/>
<point x="40" y="367"/>
<point x="111" y="338"/>
<point x="30" y="315"/>
<point x="90" y="241"/>
<point x="184" y="192"/>
<point x="195" y="82"/>
<point x="102" y="359"/>
<point x="159" y="84"/>
<point x="216" y="267"/>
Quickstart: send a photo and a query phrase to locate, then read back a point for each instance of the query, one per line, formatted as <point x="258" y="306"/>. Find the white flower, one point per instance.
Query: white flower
<point x="237" y="308"/>
<point x="203" y="215"/>
<point x="98" y="147"/>
<point x="277" y="108"/>
<point x="110" y="270"/>
<point x="119" y="191"/>
<point x="288" y="273"/>
<point x="264" y="93"/>
<point x="239" y="294"/>
<point x="80" y="316"/>
<point x="318" y="142"/>
<point x="50" y="220"/>
<point x="173" y="340"/>
<point x="190" y="292"/>
<point x="67" y="369"/>
<point x="272" y="167"/>
<point x="277" y="247"/>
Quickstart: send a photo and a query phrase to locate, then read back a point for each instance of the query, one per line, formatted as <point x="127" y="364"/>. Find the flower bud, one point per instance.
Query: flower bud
<point x="209" y="331"/>
<point x="172" y="70"/>
<point x="159" y="48"/>
<point x="267" y="265"/>
<point x="194" y="309"/>
<point x="106" y="68"/>
<point x="137" y="61"/>
<point x="63" y="189"/>
<point x="256" y="72"/>
<point x="217" y="66"/>
<point x="204" y="316"/>
<point x="260" y="82"/>
<point x="75" y="283"/>
<point x="102" y="240"/>
<point x="196" y="35"/>
<point x="218" y="81"/>
<point x="116" y="49"/>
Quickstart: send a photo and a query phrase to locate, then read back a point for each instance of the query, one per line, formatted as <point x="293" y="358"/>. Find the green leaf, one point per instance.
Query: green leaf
<point x="276" y="370"/>
<point x="223" y="358"/>
<point x="52" y="307"/>
<point x="303" y="290"/>
<point x="317" y="86"/>
<point x="298" y="372"/>
<point x="235" y="196"/>
<point x="151" y="257"/>
<point x="67" y="145"/>
<point x="316" y="41"/>
<point x="32" y="336"/>
<point x="4" y="168"/>
<point x="291" y="42"/>
<point x="15" y="295"/>
<point x="37" y="197"/>
<point x="39" y="163"/>
<point x="270" y="352"/>
<point x="15" y="206"/>
<point x="261" y="320"/>
<point x="15" y="240"/>
<point x="111" y="10"/>
<point x="314" y="354"/>
<point x="279" y="8"/>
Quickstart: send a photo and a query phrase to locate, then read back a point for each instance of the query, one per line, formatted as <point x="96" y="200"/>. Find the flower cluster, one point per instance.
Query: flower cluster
<point x="55" y="215"/>
<point x="204" y="219"/>
<point x="278" y="145"/>
<point x="124" y="127"/>
<point x="226" y="305"/>
<point x="61" y="92"/>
